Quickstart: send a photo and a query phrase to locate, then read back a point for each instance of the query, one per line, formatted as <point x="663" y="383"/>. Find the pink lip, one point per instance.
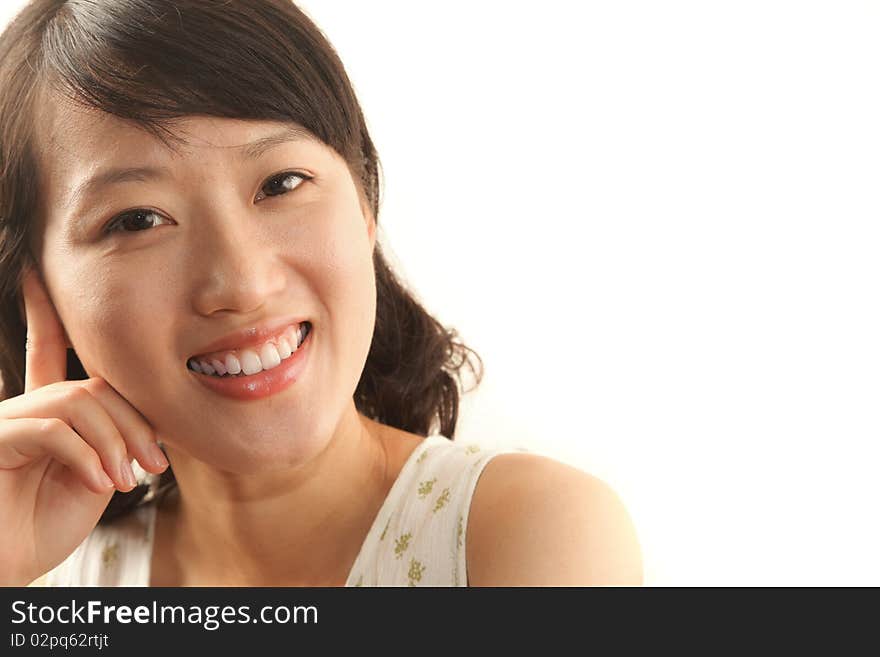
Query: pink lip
<point x="250" y="336"/>
<point x="262" y="384"/>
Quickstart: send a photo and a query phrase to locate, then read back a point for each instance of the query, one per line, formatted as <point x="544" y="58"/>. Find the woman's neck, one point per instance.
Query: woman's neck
<point x="293" y="527"/>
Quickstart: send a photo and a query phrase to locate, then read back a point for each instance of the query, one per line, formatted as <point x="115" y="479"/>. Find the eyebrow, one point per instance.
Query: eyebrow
<point x="256" y="148"/>
<point x="250" y="151"/>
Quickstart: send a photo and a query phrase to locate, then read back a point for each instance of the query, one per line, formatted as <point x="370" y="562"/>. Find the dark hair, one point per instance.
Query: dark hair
<point x="153" y="61"/>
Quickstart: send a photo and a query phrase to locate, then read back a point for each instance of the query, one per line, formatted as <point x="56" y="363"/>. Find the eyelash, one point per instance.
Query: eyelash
<point x="112" y="225"/>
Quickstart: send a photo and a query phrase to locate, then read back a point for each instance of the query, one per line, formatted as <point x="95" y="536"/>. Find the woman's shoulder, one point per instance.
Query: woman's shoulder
<point x="535" y="521"/>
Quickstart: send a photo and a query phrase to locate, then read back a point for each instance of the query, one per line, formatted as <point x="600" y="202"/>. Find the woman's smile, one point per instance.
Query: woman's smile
<point x="259" y="352"/>
<point x="262" y="382"/>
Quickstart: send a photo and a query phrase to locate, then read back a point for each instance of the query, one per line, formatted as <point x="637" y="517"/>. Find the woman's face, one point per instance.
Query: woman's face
<point x="228" y="244"/>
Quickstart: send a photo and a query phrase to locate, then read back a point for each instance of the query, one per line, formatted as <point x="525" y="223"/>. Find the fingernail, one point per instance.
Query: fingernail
<point x="154" y="452"/>
<point x="127" y="473"/>
<point x="103" y="480"/>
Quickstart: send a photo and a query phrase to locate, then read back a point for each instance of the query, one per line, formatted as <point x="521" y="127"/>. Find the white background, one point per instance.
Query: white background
<point x="658" y="225"/>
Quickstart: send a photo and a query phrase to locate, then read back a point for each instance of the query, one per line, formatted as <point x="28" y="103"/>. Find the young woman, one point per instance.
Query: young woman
<point x="189" y="202"/>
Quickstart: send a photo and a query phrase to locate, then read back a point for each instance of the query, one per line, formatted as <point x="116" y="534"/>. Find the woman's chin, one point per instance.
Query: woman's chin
<point x="255" y="456"/>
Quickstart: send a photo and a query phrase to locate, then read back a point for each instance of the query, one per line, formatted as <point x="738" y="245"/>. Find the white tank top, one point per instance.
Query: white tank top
<point x="417" y="538"/>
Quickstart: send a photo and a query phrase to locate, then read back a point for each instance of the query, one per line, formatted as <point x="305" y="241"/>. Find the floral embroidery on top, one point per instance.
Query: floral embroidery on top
<point x="382" y="537"/>
<point x="472" y="449"/>
<point x="400" y="544"/>
<point x="460" y="518"/>
<point x="110" y="554"/>
<point x="360" y="581"/>
<point x="415" y="571"/>
<point x="426" y="486"/>
<point x="422" y="456"/>
<point x="443" y="499"/>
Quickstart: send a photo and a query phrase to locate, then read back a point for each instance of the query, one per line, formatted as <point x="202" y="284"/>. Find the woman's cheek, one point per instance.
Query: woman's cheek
<point x="104" y="325"/>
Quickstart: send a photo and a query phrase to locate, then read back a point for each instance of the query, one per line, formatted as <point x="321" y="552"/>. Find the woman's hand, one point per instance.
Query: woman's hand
<point x="65" y="446"/>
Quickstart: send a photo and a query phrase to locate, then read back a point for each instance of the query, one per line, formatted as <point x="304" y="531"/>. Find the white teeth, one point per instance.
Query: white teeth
<point x="232" y="364"/>
<point x="250" y="362"/>
<point x="301" y="333"/>
<point x="269" y="356"/>
<point x="295" y="339"/>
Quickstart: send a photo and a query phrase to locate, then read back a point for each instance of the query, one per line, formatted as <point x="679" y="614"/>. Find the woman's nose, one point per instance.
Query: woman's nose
<point x="238" y="267"/>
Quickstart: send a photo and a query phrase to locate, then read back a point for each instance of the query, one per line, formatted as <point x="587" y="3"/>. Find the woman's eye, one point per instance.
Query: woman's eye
<point x="281" y="184"/>
<point x="134" y="221"/>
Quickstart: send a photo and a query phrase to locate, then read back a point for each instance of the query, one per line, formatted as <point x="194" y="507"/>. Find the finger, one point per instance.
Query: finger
<point x="70" y="402"/>
<point x="46" y="350"/>
<point x="138" y="434"/>
<point x="24" y="440"/>
<point x="81" y="411"/>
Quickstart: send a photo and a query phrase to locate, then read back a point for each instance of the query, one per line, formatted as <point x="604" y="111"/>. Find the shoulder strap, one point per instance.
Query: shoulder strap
<point x="422" y="542"/>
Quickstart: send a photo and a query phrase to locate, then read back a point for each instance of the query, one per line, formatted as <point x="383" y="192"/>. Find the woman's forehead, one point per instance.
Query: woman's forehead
<point x="89" y="133"/>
